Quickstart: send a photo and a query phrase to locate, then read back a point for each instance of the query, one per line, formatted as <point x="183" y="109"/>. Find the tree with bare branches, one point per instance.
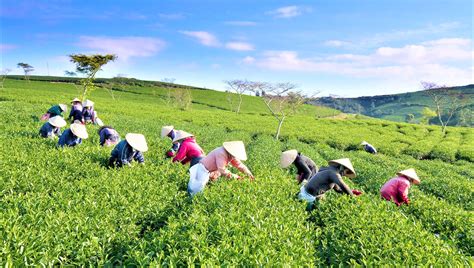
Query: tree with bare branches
<point x="238" y="87"/>
<point x="168" y="85"/>
<point x="446" y="102"/>
<point x="281" y="100"/>
<point x="3" y="76"/>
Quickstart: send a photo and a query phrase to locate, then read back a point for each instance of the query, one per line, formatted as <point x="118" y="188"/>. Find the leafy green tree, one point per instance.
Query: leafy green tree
<point x="70" y="73"/>
<point x="427" y="115"/>
<point x="410" y="118"/>
<point x="27" y="69"/>
<point x="89" y="65"/>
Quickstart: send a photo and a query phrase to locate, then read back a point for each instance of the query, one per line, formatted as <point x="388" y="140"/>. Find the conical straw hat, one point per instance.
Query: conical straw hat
<point x="364" y="143"/>
<point x="88" y="103"/>
<point x="137" y="141"/>
<point x="236" y="149"/>
<point x="57" y="121"/>
<point x="79" y="130"/>
<point x="63" y="107"/>
<point x="166" y="130"/>
<point x="347" y="164"/>
<point x="287" y="158"/>
<point x="180" y="135"/>
<point x="410" y="173"/>
<point x="75" y="100"/>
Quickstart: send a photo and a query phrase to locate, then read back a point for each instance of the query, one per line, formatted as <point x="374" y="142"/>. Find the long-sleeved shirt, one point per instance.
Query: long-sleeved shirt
<point x="77" y="115"/>
<point x="396" y="190"/>
<point x="123" y="154"/>
<point x="49" y="131"/>
<point x="217" y="160"/>
<point x="326" y="179"/>
<point x="108" y="134"/>
<point x="88" y="114"/>
<point x="174" y="147"/>
<point x="69" y="139"/>
<point x="370" y="149"/>
<point x="306" y="167"/>
<point x="188" y="150"/>
<point x="55" y="110"/>
<point x="76" y="107"/>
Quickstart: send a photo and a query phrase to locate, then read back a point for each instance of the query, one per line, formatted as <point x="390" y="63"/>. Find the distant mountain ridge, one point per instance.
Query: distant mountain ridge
<point x="396" y="107"/>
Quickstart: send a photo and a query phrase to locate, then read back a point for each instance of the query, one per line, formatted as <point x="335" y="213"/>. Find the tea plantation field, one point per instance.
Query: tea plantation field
<point x="64" y="207"/>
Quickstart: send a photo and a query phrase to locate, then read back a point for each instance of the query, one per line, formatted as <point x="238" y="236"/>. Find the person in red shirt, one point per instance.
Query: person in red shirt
<point x="396" y="189"/>
<point x="189" y="150"/>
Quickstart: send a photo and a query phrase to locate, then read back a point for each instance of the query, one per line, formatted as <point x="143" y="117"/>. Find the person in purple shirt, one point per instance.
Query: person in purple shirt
<point x="369" y="148"/>
<point x="73" y="135"/>
<point x="108" y="136"/>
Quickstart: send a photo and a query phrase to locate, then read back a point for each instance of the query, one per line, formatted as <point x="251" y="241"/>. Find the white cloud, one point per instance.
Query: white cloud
<point x="6" y="47"/>
<point x="336" y="43"/>
<point x="124" y="47"/>
<point x="239" y="46"/>
<point x="241" y="23"/>
<point x="171" y="16"/>
<point x="289" y="11"/>
<point x="438" y="60"/>
<point x="205" y="38"/>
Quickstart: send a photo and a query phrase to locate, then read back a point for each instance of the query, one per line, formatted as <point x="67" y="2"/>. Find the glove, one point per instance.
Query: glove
<point x="356" y="192"/>
<point x="169" y="154"/>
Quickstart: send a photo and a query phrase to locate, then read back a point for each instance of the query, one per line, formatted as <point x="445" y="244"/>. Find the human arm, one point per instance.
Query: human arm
<point x="303" y="170"/>
<point x="181" y="154"/>
<point x="241" y="167"/>
<point x="139" y="157"/>
<point x="343" y="188"/>
<point x="402" y="193"/>
<point x="102" y="137"/>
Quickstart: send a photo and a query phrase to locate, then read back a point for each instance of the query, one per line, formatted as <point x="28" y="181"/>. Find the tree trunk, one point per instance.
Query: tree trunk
<point x="240" y="103"/>
<point x="280" y="123"/>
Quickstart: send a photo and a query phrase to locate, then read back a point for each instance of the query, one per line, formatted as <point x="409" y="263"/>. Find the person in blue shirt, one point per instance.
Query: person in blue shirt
<point x="170" y="132"/>
<point x="130" y="149"/>
<point x="369" y="148"/>
<point x="108" y="136"/>
<point x="52" y="128"/>
<point x="73" y="136"/>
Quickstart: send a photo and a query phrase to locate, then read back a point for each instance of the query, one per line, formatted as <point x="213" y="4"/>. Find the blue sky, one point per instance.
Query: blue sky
<point x="346" y="48"/>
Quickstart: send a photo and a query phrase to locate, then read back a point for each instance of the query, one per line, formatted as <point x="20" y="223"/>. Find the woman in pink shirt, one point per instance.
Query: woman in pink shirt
<point x="215" y="165"/>
<point x="189" y="150"/>
<point x="396" y="189"/>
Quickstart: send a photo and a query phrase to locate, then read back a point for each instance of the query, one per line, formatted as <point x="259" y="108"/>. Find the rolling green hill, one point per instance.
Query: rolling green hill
<point x="63" y="207"/>
<point x="396" y="107"/>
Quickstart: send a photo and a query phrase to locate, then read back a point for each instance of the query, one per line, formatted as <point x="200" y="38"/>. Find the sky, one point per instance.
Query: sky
<point x="335" y="47"/>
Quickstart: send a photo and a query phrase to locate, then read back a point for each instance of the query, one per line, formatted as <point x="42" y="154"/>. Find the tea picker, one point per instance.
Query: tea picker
<point x="76" y="110"/>
<point x="396" y="189"/>
<point x="306" y="167"/>
<point x="328" y="178"/>
<point x="88" y="112"/>
<point x="170" y="132"/>
<point x="108" y="136"/>
<point x="52" y="128"/>
<point x="73" y="135"/>
<point x="132" y="148"/>
<point x="189" y="151"/>
<point x="215" y="165"/>
<point x="56" y="110"/>
<point x="369" y="147"/>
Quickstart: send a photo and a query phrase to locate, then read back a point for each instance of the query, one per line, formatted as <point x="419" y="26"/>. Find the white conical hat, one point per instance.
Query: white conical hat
<point x="346" y="162"/>
<point x="287" y="158"/>
<point x="57" y="121"/>
<point x="79" y="130"/>
<point x="364" y="143"/>
<point x="166" y="130"/>
<point x="88" y="103"/>
<point x="137" y="141"/>
<point x="75" y="100"/>
<point x="180" y="134"/>
<point x="63" y="107"/>
<point x="236" y="149"/>
<point x="410" y="173"/>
